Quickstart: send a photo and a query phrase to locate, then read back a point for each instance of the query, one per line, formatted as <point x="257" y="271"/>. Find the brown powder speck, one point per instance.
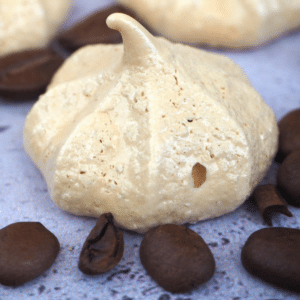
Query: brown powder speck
<point x="176" y="80"/>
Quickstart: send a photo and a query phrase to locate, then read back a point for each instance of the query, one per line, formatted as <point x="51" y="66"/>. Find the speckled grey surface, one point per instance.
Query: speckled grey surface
<point x="274" y="70"/>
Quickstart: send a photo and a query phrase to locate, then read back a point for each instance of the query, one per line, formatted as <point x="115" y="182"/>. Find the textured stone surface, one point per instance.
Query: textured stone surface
<point x="274" y="72"/>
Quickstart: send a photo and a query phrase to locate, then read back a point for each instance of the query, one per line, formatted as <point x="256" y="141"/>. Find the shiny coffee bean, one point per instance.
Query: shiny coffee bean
<point x="103" y="248"/>
<point x="273" y="255"/>
<point x="176" y="257"/>
<point x="27" y="249"/>
<point x="289" y="134"/>
<point x="288" y="178"/>
<point x="26" y="74"/>
<point x="93" y="30"/>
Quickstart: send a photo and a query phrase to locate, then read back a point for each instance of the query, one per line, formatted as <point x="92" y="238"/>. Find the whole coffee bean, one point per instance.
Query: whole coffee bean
<point x="289" y="134"/>
<point x="93" y="30"/>
<point x="27" y="249"/>
<point x="288" y="178"/>
<point x="103" y="248"/>
<point x="176" y="257"/>
<point x="26" y="74"/>
<point x="273" y="255"/>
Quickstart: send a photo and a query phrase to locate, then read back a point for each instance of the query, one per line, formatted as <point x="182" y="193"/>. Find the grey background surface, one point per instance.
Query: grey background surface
<point x="274" y="71"/>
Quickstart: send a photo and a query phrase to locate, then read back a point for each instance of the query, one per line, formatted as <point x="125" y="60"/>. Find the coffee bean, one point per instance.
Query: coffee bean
<point x="26" y="74"/>
<point x="273" y="255"/>
<point x="269" y="202"/>
<point x="103" y="248"/>
<point x="93" y="30"/>
<point x="176" y="257"/>
<point x="289" y="134"/>
<point x="27" y="249"/>
<point x="288" y="178"/>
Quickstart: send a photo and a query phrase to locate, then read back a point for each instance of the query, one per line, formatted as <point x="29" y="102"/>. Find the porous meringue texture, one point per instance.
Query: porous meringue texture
<point x="219" y="23"/>
<point x="27" y="24"/>
<point x="151" y="131"/>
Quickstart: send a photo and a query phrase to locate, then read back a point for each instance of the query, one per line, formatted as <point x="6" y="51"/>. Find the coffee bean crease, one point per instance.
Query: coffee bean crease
<point x="103" y="248"/>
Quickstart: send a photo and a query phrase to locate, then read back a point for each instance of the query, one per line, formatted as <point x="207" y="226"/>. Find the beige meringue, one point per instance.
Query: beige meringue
<point x="225" y="23"/>
<point x="151" y="131"/>
<point x="27" y="24"/>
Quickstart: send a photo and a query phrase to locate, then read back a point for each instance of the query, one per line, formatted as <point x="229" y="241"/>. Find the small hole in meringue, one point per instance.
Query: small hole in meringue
<point x="198" y="174"/>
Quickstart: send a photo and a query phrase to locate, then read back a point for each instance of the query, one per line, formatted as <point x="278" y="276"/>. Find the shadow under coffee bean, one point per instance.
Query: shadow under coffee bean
<point x="176" y="257"/>
<point x="27" y="249"/>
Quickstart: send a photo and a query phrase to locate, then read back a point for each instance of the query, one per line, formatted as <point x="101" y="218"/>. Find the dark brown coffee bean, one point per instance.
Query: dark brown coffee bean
<point x="26" y="74"/>
<point x="289" y="134"/>
<point x="273" y="255"/>
<point x="288" y="178"/>
<point x="27" y="249"/>
<point x="103" y="248"/>
<point x="269" y="202"/>
<point x="176" y="257"/>
<point x="93" y="30"/>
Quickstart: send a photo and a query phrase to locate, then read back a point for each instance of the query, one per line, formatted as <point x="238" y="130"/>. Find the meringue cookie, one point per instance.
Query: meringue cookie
<point x="225" y="23"/>
<point x="30" y="23"/>
<point x="151" y="131"/>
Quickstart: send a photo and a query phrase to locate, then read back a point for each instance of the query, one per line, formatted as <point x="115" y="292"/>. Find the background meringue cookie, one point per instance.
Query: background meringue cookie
<point x="128" y="137"/>
<point x="29" y="24"/>
<point x="225" y="23"/>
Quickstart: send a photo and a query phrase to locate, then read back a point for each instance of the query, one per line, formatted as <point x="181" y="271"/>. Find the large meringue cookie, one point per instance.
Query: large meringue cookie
<point x="153" y="132"/>
<point x="30" y="23"/>
<point x="225" y="23"/>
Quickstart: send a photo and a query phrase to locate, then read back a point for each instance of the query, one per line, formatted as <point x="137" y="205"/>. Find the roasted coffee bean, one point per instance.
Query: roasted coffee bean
<point x="93" y="30"/>
<point x="269" y="202"/>
<point x="27" y="249"/>
<point x="103" y="248"/>
<point x="289" y="134"/>
<point x="273" y="255"/>
<point x="176" y="257"/>
<point x="288" y="178"/>
<point x="26" y="74"/>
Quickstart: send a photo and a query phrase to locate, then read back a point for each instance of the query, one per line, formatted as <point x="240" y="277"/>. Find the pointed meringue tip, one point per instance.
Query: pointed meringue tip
<point x="114" y="19"/>
<point x="140" y="47"/>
